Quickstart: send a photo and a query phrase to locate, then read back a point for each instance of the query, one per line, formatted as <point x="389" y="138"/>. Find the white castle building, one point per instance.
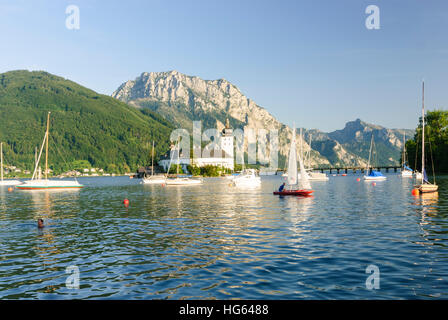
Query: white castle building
<point x="222" y="156"/>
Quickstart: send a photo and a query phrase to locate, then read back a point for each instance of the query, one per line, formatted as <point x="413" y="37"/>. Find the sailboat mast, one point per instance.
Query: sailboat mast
<point x="178" y="158"/>
<point x="152" y="159"/>
<point x="404" y="149"/>
<point x="370" y="153"/>
<point x="46" y="148"/>
<point x="423" y="131"/>
<point x="309" y="155"/>
<point x="1" y="159"/>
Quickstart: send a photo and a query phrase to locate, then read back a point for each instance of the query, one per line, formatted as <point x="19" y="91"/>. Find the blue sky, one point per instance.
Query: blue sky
<point x="311" y="62"/>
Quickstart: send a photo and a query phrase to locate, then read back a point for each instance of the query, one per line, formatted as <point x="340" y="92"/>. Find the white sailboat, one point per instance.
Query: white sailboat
<point x="425" y="186"/>
<point x="373" y="175"/>
<point x="180" y="181"/>
<point x="406" y="172"/>
<point x="313" y="175"/>
<point x="296" y="186"/>
<point x="153" y="179"/>
<point x="6" y="182"/>
<point x="247" y="178"/>
<point x="46" y="184"/>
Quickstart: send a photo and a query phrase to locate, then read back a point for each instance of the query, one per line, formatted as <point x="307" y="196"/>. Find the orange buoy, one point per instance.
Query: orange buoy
<point x="415" y="192"/>
<point x="358" y="179"/>
<point x="373" y="183"/>
<point x="10" y="189"/>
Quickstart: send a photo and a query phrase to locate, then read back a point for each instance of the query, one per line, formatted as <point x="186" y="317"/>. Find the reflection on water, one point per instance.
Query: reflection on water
<point x="218" y="241"/>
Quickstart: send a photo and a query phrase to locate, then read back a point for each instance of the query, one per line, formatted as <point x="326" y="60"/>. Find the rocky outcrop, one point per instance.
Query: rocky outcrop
<point x="182" y="99"/>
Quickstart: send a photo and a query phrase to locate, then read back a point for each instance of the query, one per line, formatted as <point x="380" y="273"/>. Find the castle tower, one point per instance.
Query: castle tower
<point x="227" y="142"/>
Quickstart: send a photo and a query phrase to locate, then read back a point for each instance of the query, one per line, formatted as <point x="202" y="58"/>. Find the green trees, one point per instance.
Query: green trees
<point x="174" y="170"/>
<point x="194" y="170"/>
<point x="84" y="125"/>
<point x="436" y="146"/>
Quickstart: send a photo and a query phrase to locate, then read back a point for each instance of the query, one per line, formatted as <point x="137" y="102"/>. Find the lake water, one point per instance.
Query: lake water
<point x="215" y="241"/>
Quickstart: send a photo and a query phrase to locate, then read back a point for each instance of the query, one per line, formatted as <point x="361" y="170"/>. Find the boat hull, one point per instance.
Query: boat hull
<point x="427" y="188"/>
<point x="182" y="182"/>
<point x="48" y="188"/>
<point x="294" y="193"/>
<point x="154" y="181"/>
<point x="406" y="173"/>
<point x="368" y="178"/>
<point x="49" y="185"/>
<point x="10" y="182"/>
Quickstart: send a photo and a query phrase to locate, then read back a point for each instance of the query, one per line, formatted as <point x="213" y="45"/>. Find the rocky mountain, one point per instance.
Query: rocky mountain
<point x="354" y="141"/>
<point x="181" y="99"/>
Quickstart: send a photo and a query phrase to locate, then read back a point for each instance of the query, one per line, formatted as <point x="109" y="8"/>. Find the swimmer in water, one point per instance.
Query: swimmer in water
<point x="40" y="223"/>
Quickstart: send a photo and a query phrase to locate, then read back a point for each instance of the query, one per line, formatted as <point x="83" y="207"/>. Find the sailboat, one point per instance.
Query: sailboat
<point x="5" y="182"/>
<point x="425" y="186"/>
<point x="179" y="181"/>
<point x="296" y="187"/>
<point x="45" y="184"/>
<point x="153" y="179"/>
<point x="405" y="170"/>
<point x="313" y="175"/>
<point x="373" y="175"/>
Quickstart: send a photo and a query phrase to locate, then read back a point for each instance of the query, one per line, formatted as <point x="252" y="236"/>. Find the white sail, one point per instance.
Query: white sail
<point x="292" y="161"/>
<point x="304" y="182"/>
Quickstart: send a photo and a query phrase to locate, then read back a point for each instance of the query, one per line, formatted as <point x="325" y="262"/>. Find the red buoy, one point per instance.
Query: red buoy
<point x="373" y="183"/>
<point x="126" y="201"/>
<point x="358" y="179"/>
<point x="415" y="192"/>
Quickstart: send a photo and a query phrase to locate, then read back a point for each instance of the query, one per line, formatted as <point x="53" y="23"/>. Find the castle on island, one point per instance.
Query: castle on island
<point x="221" y="156"/>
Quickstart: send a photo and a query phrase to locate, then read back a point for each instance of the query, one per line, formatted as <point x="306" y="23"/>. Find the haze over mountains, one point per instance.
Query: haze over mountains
<point x="181" y="99"/>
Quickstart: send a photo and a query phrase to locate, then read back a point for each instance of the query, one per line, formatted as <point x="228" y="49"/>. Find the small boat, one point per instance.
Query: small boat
<point x="303" y="193"/>
<point x="313" y="175"/>
<point x="247" y="178"/>
<point x="296" y="187"/>
<point x="153" y="179"/>
<point x="317" y="176"/>
<point x="373" y="174"/>
<point x="45" y="184"/>
<point x="425" y="186"/>
<point x="6" y="182"/>
<point x="406" y="172"/>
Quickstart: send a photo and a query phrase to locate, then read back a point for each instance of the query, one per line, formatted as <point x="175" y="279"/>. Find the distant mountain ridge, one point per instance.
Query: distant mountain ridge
<point x="182" y="99"/>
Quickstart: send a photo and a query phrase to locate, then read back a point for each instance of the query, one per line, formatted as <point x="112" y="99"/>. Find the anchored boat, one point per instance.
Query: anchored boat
<point x="425" y="186"/>
<point x="373" y="175"/>
<point x="153" y="179"/>
<point x="296" y="187"/>
<point x="45" y="184"/>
